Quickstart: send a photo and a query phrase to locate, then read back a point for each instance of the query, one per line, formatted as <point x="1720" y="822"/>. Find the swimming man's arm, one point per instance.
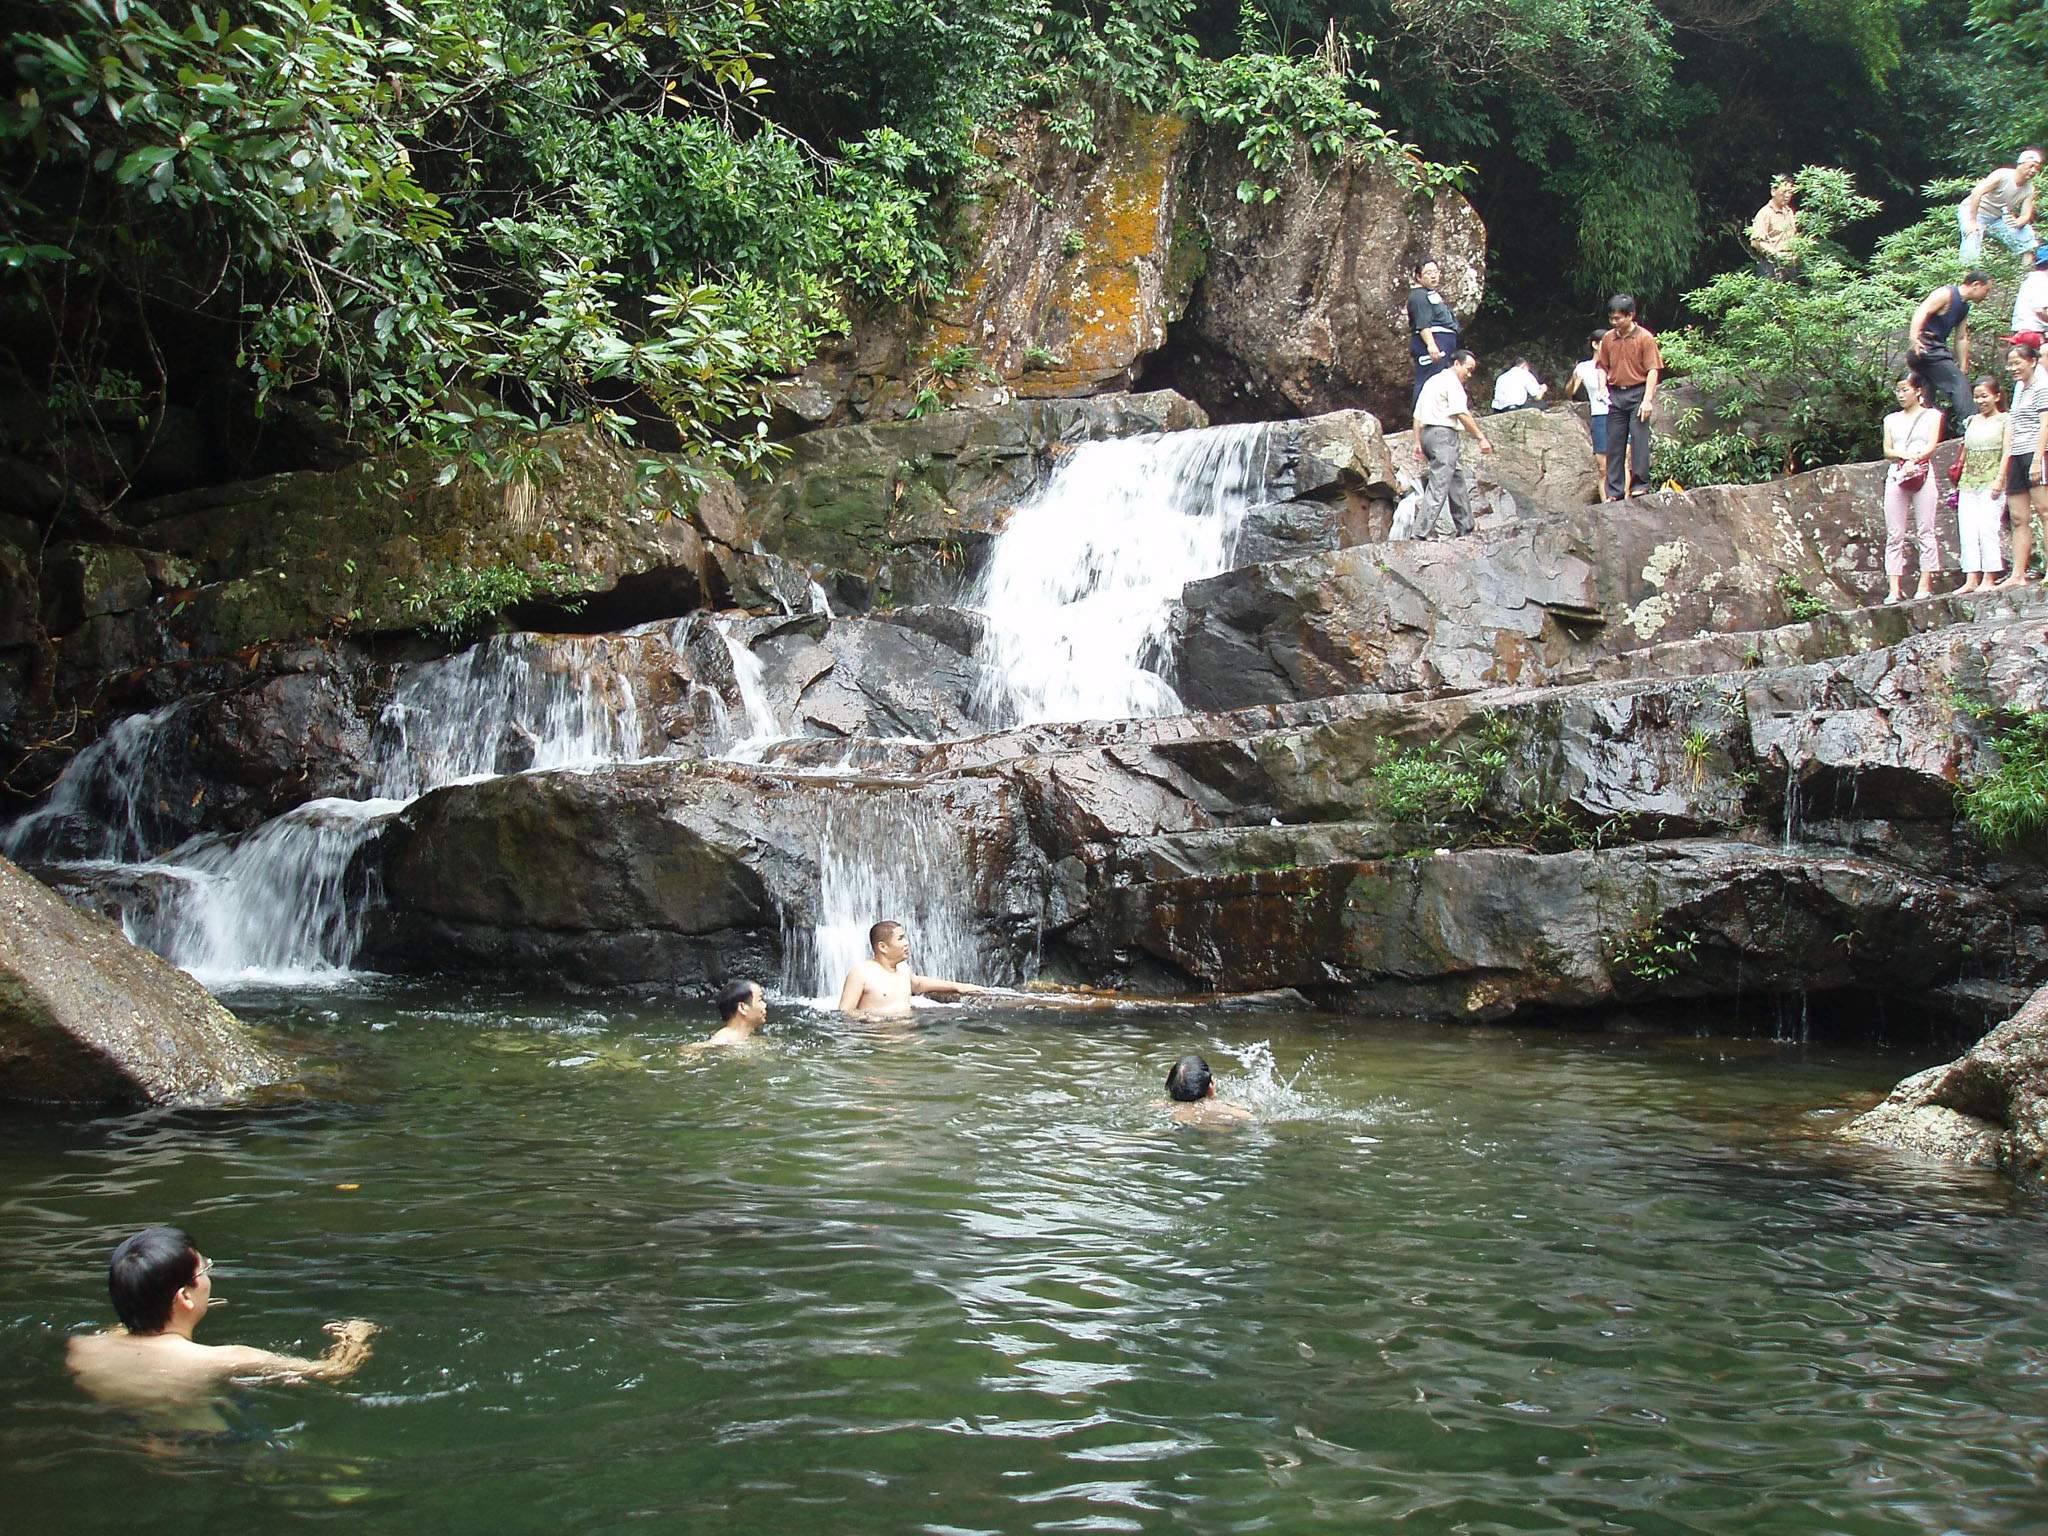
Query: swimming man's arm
<point x="344" y="1357"/>
<point x="925" y="986"/>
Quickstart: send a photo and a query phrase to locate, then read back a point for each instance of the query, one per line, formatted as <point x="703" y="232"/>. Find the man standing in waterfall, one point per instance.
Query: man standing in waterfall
<point x="1442" y="415"/>
<point x="883" y="984"/>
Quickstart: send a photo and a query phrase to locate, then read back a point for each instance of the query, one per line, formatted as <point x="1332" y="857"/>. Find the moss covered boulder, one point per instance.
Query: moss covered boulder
<point x="409" y="542"/>
<point x="87" y="1017"/>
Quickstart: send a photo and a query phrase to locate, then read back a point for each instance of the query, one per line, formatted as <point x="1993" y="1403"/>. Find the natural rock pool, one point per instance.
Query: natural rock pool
<point x="966" y="1278"/>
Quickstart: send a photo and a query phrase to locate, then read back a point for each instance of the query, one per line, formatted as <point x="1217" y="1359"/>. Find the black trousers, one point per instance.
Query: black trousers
<point x="1628" y="443"/>
<point x="1936" y="368"/>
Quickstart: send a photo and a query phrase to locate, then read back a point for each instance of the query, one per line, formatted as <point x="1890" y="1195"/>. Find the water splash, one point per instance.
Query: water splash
<point x="885" y="854"/>
<point x="1081" y="587"/>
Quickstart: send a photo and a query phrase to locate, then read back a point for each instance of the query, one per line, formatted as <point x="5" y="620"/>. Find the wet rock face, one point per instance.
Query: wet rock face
<point x="389" y="546"/>
<point x="87" y="1017"/>
<point x="1302" y="302"/>
<point x="667" y="871"/>
<point x="1986" y="1109"/>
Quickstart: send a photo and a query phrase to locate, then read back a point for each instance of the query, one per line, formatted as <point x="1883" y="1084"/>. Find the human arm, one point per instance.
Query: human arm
<point x="1961" y="348"/>
<point x="1650" y="391"/>
<point x="929" y="986"/>
<point x="344" y="1357"/>
<point x="1971" y="204"/>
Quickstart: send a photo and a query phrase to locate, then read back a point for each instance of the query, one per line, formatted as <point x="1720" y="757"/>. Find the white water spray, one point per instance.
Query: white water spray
<point x="1080" y="590"/>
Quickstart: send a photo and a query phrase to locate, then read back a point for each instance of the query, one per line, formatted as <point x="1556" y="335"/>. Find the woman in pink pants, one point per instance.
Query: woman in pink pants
<point x="1910" y="434"/>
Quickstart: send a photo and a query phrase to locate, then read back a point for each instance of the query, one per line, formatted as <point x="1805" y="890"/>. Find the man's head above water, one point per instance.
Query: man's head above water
<point x="146" y="1274"/>
<point x="888" y="934"/>
<point x="1190" y="1079"/>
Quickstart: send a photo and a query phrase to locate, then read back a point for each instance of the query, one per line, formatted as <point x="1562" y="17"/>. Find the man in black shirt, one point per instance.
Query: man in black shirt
<point x="1432" y="327"/>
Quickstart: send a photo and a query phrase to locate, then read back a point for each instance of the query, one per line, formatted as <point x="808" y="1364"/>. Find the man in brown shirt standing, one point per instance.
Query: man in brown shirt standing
<point x="1632" y="363"/>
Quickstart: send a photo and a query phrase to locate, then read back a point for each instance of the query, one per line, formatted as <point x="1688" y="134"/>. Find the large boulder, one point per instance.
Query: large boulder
<point x="684" y="872"/>
<point x="1986" y="1109"/>
<point x="1302" y="302"/>
<point x="1128" y="254"/>
<point x="1545" y="595"/>
<point x="404" y="543"/>
<point x="87" y="1017"/>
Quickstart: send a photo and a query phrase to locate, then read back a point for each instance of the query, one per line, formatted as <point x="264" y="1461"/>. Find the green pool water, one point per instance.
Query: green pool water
<point x="967" y="1279"/>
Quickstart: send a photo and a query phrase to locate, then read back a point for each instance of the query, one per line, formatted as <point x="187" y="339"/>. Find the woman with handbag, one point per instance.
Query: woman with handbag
<point x="1910" y="434"/>
<point x="1979" y="474"/>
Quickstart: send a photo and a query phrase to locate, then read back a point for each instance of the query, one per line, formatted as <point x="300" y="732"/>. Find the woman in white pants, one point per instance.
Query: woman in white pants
<point x="2026" y="427"/>
<point x="1910" y="434"/>
<point x="1980" y="493"/>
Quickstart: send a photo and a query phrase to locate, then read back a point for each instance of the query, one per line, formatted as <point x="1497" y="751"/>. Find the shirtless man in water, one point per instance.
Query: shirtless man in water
<point x="883" y="984"/>
<point x="1192" y="1088"/>
<point x="742" y="1009"/>
<point x="162" y="1287"/>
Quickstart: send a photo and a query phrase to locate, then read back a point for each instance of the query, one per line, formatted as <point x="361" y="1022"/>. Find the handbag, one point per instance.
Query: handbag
<point x="1912" y="476"/>
<point x="1955" y="471"/>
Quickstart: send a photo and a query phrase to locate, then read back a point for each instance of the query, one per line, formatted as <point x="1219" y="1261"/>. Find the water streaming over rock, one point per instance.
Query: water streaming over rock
<point x="756" y="725"/>
<point x="103" y="806"/>
<point x="1081" y="587"/>
<point x="286" y="902"/>
<point x="885" y="853"/>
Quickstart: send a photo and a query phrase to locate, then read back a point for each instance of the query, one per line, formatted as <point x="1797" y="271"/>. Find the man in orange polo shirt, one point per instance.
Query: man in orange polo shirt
<point x="1632" y="363"/>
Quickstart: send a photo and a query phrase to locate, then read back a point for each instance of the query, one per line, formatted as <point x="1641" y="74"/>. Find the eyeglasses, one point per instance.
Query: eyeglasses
<point x="205" y="1269"/>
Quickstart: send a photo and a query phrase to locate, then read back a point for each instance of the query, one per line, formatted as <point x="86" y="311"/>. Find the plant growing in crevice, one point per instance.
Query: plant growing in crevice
<point x="461" y="599"/>
<point x="2008" y="805"/>
<point x="1800" y="604"/>
<point x="1650" y="952"/>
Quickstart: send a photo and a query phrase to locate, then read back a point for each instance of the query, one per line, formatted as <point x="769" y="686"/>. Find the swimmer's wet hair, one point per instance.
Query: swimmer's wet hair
<point x="1189" y="1079"/>
<point x="881" y="931"/>
<point x="732" y="997"/>
<point x="145" y="1275"/>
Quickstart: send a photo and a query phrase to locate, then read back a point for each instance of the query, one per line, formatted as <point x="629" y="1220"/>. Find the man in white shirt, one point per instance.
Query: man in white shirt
<point x="1518" y="387"/>
<point x="1442" y="415"/>
<point x="2030" y="307"/>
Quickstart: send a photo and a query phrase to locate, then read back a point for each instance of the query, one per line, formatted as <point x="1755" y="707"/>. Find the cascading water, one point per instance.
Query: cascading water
<point x="102" y="807"/>
<point x="1080" y="589"/>
<point x="885" y="854"/>
<point x="744" y="741"/>
<point x="282" y="903"/>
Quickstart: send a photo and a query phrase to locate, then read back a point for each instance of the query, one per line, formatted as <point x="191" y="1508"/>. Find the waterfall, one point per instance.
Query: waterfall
<point x="1081" y="587"/>
<point x="747" y="671"/>
<point x="286" y="901"/>
<point x="495" y="709"/>
<point x="103" y="806"/>
<point x="885" y="854"/>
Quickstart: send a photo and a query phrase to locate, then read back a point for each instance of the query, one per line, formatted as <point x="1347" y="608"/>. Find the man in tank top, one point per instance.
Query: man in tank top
<point x="883" y="984"/>
<point x="1938" y="345"/>
<point x="2002" y="206"/>
<point x="162" y="1287"/>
